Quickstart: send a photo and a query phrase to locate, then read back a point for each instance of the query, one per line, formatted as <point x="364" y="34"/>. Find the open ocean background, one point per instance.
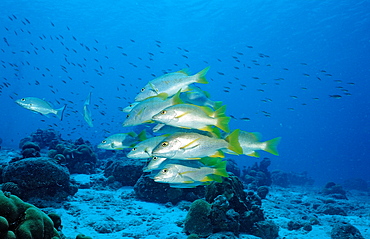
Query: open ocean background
<point x="275" y="64"/>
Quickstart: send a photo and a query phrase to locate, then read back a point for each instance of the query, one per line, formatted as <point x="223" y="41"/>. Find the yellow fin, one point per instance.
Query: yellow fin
<point x="142" y="135"/>
<point x="233" y="140"/>
<point x="271" y="146"/>
<point x="221" y="169"/>
<point x="223" y="123"/>
<point x="218" y="154"/>
<point x="132" y="134"/>
<point x="184" y="71"/>
<point x="254" y="154"/>
<point x="217" y="105"/>
<point x="220" y="112"/>
<point x="201" y="76"/>
<point x="176" y="98"/>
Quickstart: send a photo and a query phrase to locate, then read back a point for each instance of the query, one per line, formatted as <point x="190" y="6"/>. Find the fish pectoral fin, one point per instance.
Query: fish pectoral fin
<point x="190" y="145"/>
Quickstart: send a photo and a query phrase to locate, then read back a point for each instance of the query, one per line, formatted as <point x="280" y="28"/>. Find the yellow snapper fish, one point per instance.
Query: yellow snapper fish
<point x="190" y="146"/>
<point x="250" y="143"/>
<point x="193" y="117"/>
<point x="180" y="174"/>
<point x="171" y="83"/>
<point x="122" y="141"/>
<point x="144" y="149"/>
<point x="87" y="112"/>
<point x="196" y="96"/>
<point x="130" y="107"/>
<point x="144" y="111"/>
<point x="157" y="163"/>
<point x="40" y="106"/>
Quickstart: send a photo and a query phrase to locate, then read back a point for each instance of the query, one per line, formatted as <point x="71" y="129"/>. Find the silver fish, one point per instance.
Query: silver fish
<point x="171" y="83"/>
<point x="87" y="112"/>
<point x="40" y="106"/>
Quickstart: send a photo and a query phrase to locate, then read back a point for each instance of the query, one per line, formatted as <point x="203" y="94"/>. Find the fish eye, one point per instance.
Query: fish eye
<point x="142" y="89"/>
<point x="104" y="141"/>
<point x="127" y="116"/>
<point x="163" y="112"/>
<point x="164" y="170"/>
<point x="23" y="99"/>
<point x="155" y="158"/>
<point x="164" y="144"/>
<point x="133" y="149"/>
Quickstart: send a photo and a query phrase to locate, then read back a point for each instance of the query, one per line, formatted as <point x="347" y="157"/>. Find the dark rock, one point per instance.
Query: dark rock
<point x="223" y="235"/>
<point x="307" y="227"/>
<point x="40" y="178"/>
<point x="334" y="190"/>
<point x="30" y="150"/>
<point x="294" y="225"/>
<point x="330" y="209"/>
<point x="266" y="230"/>
<point x="233" y="167"/>
<point x="345" y="231"/>
<point x="262" y="192"/>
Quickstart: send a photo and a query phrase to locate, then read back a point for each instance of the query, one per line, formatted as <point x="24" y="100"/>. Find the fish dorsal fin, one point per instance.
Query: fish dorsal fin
<point x="218" y="154"/>
<point x="184" y="71"/>
<point x="176" y="98"/>
<point x="132" y="134"/>
<point x="142" y="135"/>
<point x="256" y="135"/>
<point x="191" y="145"/>
<point x="220" y="112"/>
<point x="206" y="110"/>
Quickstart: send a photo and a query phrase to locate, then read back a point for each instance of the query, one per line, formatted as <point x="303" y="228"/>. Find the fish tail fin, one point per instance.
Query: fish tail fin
<point x="142" y="135"/>
<point x="233" y="140"/>
<point x="223" y="123"/>
<point x="210" y="178"/>
<point x="201" y="76"/>
<point x="60" y="112"/>
<point x="271" y="146"/>
<point x="220" y="169"/>
<point x="217" y="105"/>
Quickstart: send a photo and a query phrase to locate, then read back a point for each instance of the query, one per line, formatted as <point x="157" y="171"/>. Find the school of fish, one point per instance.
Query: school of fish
<point x="190" y="136"/>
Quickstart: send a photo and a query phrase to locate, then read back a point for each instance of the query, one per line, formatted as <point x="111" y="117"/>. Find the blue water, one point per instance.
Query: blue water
<point x="289" y="55"/>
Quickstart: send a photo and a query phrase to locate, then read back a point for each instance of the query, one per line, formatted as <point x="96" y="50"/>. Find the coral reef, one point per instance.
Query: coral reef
<point x="44" y="138"/>
<point x="356" y="184"/>
<point x="78" y="156"/>
<point x="198" y="220"/>
<point x="41" y="178"/>
<point x="284" y="179"/>
<point x="30" y="150"/>
<point x="126" y="171"/>
<point x="257" y="175"/>
<point x="230" y="209"/>
<point x="23" y="220"/>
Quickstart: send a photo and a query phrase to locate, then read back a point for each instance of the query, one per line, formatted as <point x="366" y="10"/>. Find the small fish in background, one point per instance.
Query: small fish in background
<point x="335" y="96"/>
<point x="171" y="83"/>
<point x="87" y="112"/>
<point x="122" y="141"/>
<point x="40" y="106"/>
<point x="250" y="142"/>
